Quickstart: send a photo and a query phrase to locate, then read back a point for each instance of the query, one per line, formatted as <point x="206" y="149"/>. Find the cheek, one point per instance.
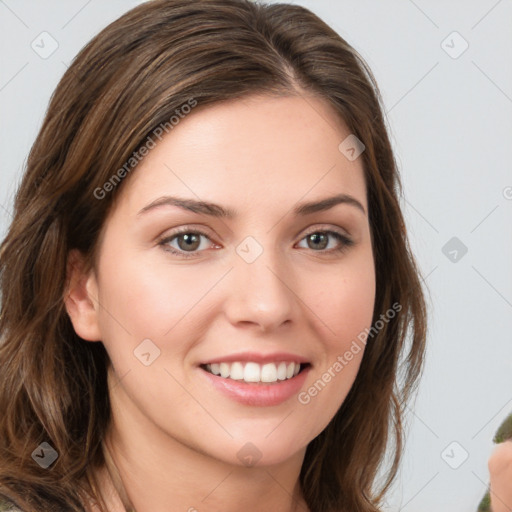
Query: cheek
<point x="140" y="301"/>
<point x="344" y="308"/>
<point x="345" y="300"/>
<point x="351" y="309"/>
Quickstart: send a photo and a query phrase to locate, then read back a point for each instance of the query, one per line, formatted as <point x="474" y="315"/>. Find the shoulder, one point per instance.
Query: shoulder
<point x="7" y="506"/>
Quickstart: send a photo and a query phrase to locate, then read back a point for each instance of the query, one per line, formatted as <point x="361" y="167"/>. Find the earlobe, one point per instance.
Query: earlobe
<point x="81" y="298"/>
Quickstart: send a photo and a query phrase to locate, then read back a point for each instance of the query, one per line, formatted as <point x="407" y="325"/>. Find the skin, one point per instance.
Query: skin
<point x="500" y="469"/>
<point x="174" y="438"/>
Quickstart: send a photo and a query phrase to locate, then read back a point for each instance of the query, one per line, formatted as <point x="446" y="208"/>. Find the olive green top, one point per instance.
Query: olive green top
<point x="7" y="507"/>
<point x="503" y="433"/>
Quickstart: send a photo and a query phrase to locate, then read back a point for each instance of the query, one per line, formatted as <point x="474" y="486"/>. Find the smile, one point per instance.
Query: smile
<point x="252" y="372"/>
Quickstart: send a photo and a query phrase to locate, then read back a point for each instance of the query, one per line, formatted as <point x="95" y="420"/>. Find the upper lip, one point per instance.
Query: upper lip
<point x="256" y="357"/>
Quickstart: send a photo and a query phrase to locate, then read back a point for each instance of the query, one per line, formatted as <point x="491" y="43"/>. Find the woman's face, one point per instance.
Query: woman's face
<point x="247" y="294"/>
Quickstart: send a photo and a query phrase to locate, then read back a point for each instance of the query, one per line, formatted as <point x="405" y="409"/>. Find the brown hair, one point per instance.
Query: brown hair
<point x="126" y="81"/>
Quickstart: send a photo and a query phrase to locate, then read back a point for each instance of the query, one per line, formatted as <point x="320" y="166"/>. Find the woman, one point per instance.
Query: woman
<point x="207" y="285"/>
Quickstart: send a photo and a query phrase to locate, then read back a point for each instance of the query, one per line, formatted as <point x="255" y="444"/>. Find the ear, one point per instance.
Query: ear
<point x="81" y="297"/>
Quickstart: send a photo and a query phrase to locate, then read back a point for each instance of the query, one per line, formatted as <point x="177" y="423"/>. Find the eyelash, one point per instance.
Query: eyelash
<point x="346" y="242"/>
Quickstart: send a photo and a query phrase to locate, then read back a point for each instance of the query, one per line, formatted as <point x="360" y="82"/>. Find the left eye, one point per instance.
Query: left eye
<point x="189" y="242"/>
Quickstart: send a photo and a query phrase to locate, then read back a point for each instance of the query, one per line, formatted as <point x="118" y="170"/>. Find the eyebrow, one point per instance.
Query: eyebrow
<point x="215" y="210"/>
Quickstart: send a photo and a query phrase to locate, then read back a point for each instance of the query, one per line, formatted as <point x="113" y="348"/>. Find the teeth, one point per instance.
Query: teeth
<point x="254" y="372"/>
<point x="281" y="371"/>
<point x="290" y="371"/>
<point x="237" y="371"/>
<point x="224" y="370"/>
<point x="269" y="373"/>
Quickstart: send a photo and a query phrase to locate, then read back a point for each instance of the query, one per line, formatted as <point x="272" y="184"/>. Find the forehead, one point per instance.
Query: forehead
<point x="260" y="150"/>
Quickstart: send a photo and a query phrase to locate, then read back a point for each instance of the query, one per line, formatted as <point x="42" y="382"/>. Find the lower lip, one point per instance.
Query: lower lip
<point x="258" y="394"/>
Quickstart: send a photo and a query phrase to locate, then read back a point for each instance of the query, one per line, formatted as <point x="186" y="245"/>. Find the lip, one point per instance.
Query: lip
<point x="256" y="357"/>
<point x="257" y="394"/>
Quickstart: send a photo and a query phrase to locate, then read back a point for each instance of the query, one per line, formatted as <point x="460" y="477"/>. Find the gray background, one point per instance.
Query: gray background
<point x="450" y="118"/>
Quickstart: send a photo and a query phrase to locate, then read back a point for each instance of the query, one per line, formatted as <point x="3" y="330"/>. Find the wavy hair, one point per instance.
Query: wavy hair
<point x="128" y="80"/>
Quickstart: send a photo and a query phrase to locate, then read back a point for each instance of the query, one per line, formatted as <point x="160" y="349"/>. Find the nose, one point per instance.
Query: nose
<point x="261" y="293"/>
